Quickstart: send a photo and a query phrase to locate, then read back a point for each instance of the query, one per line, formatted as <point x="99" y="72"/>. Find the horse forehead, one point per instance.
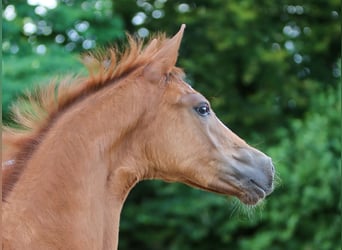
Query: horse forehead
<point x="183" y="88"/>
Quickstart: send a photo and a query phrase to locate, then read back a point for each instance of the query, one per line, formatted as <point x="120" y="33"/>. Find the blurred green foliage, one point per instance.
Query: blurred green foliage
<point x="271" y="70"/>
<point x="41" y="41"/>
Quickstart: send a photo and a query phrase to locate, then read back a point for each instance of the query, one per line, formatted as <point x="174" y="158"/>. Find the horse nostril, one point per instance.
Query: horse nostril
<point x="267" y="188"/>
<point x="255" y="183"/>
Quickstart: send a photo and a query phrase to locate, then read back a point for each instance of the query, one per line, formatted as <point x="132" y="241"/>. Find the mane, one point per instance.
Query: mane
<point x="105" y="67"/>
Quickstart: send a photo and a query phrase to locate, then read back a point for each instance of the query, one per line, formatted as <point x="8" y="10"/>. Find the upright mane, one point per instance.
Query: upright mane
<point x="47" y="102"/>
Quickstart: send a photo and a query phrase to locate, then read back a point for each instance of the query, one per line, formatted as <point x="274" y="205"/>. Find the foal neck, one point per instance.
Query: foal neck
<point x="72" y="190"/>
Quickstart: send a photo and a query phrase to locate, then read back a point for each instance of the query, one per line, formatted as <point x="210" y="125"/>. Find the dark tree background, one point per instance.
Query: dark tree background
<point x="272" y="72"/>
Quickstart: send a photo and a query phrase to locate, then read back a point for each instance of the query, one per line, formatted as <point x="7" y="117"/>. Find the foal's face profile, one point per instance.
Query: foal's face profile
<point x="194" y="147"/>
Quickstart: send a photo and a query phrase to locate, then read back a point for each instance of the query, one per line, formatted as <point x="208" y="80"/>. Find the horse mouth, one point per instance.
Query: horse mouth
<point x="250" y="193"/>
<point x="254" y="194"/>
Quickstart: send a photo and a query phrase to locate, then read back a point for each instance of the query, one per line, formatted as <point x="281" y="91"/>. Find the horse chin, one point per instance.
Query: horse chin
<point x="252" y="197"/>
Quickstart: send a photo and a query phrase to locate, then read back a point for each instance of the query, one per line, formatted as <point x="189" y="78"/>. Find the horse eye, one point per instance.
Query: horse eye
<point x="203" y="109"/>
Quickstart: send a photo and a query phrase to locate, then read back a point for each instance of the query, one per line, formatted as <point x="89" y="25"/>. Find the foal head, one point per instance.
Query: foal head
<point x="187" y="143"/>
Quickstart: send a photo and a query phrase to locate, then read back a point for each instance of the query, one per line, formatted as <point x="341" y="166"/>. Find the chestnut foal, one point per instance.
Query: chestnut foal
<point x="87" y="141"/>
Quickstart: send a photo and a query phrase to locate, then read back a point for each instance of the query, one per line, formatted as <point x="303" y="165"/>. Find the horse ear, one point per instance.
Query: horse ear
<point x="165" y="58"/>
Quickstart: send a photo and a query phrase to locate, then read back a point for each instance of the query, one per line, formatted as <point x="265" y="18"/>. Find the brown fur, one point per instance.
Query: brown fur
<point x="83" y="146"/>
<point x="48" y="102"/>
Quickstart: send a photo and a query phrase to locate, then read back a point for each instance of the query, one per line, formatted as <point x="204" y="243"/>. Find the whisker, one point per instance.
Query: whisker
<point x="235" y="207"/>
<point x="257" y="144"/>
<point x="277" y="180"/>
